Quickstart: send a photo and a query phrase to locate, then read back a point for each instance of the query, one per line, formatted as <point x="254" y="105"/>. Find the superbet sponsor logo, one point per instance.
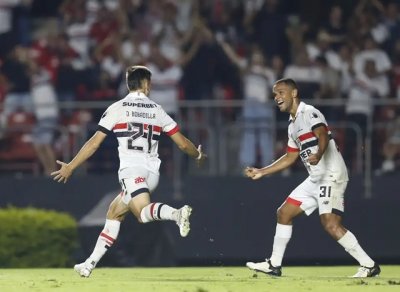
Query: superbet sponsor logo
<point x="139" y="180"/>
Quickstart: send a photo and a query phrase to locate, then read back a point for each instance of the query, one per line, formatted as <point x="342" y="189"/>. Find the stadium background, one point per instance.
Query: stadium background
<point x="83" y="48"/>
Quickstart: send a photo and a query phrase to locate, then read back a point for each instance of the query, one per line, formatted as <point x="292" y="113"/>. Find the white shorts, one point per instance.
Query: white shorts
<point x="327" y="196"/>
<point x="141" y="180"/>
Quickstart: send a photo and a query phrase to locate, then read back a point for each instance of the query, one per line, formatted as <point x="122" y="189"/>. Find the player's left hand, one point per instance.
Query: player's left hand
<point x="313" y="159"/>
<point x="63" y="173"/>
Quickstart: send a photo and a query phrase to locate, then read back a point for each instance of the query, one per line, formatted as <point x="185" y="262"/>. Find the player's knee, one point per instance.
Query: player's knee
<point x="283" y="217"/>
<point x="331" y="227"/>
<point x="114" y="216"/>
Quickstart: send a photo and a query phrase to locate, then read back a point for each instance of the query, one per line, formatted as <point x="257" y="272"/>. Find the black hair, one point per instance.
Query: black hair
<point x="288" y="81"/>
<point x="135" y="76"/>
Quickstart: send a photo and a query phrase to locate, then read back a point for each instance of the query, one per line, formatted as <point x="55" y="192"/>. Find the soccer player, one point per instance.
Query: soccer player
<point x="137" y="123"/>
<point x="310" y="138"/>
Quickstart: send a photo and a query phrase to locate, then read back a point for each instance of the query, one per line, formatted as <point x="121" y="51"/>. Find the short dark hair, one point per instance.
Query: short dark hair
<point x="288" y="81"/>
<point x="135" y="75"/>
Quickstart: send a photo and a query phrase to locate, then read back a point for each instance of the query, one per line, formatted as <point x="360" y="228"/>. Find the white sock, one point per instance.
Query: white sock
<point x="351" y="245"/>
<point x="283" y="234"/>
<point x="158" y="211"/>
<point x="106" y="239"/>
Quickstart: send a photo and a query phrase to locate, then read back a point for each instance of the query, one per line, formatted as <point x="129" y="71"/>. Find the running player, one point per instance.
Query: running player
<point x="310" y="138"/>
<point x="137" y="123"/>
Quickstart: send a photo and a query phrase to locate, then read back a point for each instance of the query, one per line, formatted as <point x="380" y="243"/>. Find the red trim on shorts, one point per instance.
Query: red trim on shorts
<point x="306" y="136"/>
<point x="291" y="149"/>
<point x="107" y="237"/>
<point x="293" y="201"/>
<point x="173" y="131"/>
<point x="122" y="126"/>
<point x="152" y="209"/>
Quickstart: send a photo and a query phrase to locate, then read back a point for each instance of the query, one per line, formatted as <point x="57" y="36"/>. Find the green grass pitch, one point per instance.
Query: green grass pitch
<point x="198" y="279"/>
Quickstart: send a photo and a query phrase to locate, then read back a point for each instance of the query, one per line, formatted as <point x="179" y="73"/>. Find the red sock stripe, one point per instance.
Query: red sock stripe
<point x="293" y="201"/>
<point x="152" y="209"/>
<point x="109" y="238"/>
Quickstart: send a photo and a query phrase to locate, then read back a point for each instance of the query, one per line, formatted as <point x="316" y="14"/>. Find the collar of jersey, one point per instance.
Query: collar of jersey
<point x="300" y="109"/>
<point x="136" y="95"/>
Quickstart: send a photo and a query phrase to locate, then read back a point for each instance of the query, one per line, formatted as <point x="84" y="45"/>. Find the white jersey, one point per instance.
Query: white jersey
<point x="137" y="122"/>
<point x="331" y="167"/>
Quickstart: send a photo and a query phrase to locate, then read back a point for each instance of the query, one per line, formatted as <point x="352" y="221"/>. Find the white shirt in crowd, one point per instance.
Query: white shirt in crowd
<point x="164" y="86"/>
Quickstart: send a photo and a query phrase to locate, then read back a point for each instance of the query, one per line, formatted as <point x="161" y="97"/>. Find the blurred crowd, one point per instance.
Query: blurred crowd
<point x="68" y="51"/>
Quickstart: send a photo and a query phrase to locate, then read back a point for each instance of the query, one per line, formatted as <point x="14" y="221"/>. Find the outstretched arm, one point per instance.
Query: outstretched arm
<point x="185" y="145"/>
<point x="285" y="161"/>
<point x="87" y="150"/>
<point x="231" y="54"/>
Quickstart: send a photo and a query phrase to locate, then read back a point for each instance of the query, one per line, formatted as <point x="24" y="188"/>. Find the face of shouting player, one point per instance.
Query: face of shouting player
<point x="285" y="98"/>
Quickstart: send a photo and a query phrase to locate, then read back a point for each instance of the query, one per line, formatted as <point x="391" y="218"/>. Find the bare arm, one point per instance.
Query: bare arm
<point x="87" y="150"/>
<point x="231" y="54"/>
<point x="185" y="145"/>
<point x="283" y="162"/>
<point x="323" y="139"/>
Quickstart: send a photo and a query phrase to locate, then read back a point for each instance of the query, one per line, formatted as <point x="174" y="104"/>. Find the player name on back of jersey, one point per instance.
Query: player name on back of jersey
<point x="136" y="114"/>
<point x="140" y="115"/>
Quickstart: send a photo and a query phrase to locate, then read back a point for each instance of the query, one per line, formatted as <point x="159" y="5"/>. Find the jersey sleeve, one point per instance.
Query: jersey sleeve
<point x="315" y="119"/>
<point x="107" y="121"/>
<point x="291" y="145"/>
<point x="168" y="125"/>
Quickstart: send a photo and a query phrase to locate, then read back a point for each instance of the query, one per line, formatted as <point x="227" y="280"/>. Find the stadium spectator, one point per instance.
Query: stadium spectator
<point x="268" y="29"/>
<point x="137" y="123"/>
<point x="165" y="78"/>
<point x="15" y="69"/>
<point x="322" y="47"/>
<point x="329" y="88"/>
<point x="7" y="36"/>
<point x="371" y="51"/>
<point x="258" y="114"/>
<point x="391" y="19"/>
<point x="367" y="85"/>
<point x="391" y="147"/>
<point x="395" y="82"/>
<point x="335" y="27"/>
<point x="308" y="75"/>
<point x="310" y="139"/>
<point x="46" y="111"/>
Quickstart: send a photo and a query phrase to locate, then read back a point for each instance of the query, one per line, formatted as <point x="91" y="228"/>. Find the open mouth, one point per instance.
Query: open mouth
<point x="279" y="102"/>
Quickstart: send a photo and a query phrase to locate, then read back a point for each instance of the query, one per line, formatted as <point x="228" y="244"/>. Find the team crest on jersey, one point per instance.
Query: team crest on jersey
<point x="314" y="115"/>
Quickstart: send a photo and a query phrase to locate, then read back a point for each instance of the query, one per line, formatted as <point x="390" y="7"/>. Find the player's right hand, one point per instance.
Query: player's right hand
<point x="202" y="158"/>
<point x="253" y="173"/>
<point x="63" y="173"/>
